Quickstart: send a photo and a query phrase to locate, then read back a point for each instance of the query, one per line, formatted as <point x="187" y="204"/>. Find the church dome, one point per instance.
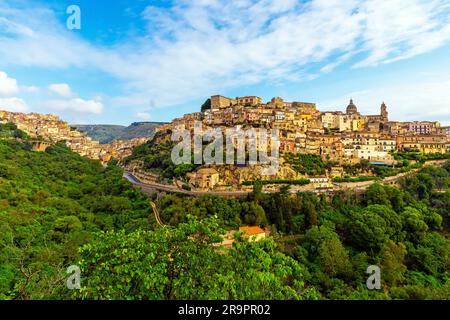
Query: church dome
<point x="351" y="108"/>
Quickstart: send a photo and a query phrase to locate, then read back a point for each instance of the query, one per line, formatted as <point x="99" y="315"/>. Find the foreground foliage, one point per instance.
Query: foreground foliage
<point x="182" y="263"/>
<point x="335" y="238"/>
<point x="51" y="203"/>
<point x="58" y="209"/>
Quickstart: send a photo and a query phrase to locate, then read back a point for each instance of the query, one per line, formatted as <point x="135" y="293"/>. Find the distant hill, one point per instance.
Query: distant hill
<point x="107" y="133"/>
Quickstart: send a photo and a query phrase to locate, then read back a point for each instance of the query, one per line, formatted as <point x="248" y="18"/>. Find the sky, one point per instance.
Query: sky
<point x="156" y="60"/>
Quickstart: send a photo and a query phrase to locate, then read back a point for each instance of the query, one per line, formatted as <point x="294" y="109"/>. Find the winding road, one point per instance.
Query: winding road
<point x="156" y="213"/>
<point x="151" y="188"/>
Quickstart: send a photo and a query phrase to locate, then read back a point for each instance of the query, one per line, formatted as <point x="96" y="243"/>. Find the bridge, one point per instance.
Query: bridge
<point x="40" y="145"/>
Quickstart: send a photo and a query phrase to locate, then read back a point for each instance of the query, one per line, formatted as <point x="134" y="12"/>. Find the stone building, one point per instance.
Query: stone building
<point x="423" y="143"/>
<point x="219" y="102"/>
<point x="445" y="130"/>
<point x="249" y="100"/>
<point x="382" y="117"/>
<point x="423" y="127"/>
<point x="204" y="178"/>
<point x="334" y="135"/>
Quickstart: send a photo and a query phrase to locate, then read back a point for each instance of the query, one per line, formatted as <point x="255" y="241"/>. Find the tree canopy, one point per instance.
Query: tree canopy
<point x="59" y="209"/>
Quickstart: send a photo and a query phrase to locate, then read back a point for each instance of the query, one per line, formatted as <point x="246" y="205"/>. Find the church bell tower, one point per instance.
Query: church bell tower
<point x="384" y="114"/>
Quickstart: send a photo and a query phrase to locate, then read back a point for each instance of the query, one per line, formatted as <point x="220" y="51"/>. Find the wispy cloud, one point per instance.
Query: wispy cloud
<point x="61" y="89"/>
<point x="13" y="104"/>
<point x="76" y="105"/>
<point x="195" y="48"/>
<point x="144" y="116"/>
<point x="395" y="30"/>
<point x="11" y="27"/>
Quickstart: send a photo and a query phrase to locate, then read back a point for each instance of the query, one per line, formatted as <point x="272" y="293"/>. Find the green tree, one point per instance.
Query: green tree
<point x="253" y="214"/>
<point x="414" y="225"/>
<point x="181" y="263"/>
<point x="333" y="257"/>
<point x="376" y="194"/>
<point x="371" y="227"/>
<point x="392" y="263"/>
<point x="206" y="105"/>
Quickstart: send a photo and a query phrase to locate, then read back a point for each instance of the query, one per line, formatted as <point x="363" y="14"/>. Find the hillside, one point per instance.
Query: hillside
<point x="108" y="133"/>
<point x="319" y="248"/>
<point x="55" y="206"/>
<point x="51" y="203"/>
<point x="55" y="202"/>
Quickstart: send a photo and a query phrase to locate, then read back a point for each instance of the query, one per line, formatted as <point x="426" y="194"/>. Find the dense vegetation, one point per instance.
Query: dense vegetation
<point x="58" y="209"/>
<point x="182" y="263"/>
<point x="300" y="182"/>
<point x="156" y="157"/>
<point x="417" y="156"/>
<point x="9" y="130"/>
<point x="206" y="105"/>
<point x="357" y="179"/>
<point x="402" y="230"/>
<point x="309" y="164"/>
<point x="51" y="203"/>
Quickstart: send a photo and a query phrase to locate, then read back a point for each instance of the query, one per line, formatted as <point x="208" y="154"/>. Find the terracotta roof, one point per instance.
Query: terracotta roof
<point x="251" y="231"/>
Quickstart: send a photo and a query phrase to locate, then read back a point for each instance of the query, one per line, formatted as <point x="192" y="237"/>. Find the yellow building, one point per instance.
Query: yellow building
<point x="253" y="233"/>
<point x="219" y="102"/>
<point x="423" y="143"/>
<point x="249" y="100"/>
<point x="289" y="115"/>
<point x="204" y="178"/>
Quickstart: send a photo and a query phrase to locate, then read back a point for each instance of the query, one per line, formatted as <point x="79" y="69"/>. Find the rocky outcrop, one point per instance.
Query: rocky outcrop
<point x="231" y="175"/>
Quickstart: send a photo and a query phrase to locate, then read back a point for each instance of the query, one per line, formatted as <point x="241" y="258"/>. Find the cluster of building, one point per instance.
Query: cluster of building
<point x="48" y="129"/>
<point x="344" y="137"/>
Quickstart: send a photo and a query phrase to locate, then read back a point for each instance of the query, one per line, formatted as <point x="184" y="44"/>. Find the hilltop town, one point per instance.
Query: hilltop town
<point x="334" y="135"/>
<point x="49" y="129"/>
<point x="340" y="138"/>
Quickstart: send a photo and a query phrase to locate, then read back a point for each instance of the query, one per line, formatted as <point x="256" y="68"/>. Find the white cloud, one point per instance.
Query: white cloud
<point x="12" y="27"/>
<point x="8" y="86"/>
<point x="76" y="105"/>
<point x="62" y="89"/>
<point x="195" y="48"/>
<point x="13" y="104"/>
<point x="144" y="116"/>
<point x="72" y="104"/>
<point x="398" y="29"/>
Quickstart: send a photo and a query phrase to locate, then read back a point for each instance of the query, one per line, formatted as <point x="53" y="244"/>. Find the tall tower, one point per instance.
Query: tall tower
<point x="384" y="114"/>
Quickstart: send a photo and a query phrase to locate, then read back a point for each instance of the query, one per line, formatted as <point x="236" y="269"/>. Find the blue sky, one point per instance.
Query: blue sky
<point x="156" y="60"/>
